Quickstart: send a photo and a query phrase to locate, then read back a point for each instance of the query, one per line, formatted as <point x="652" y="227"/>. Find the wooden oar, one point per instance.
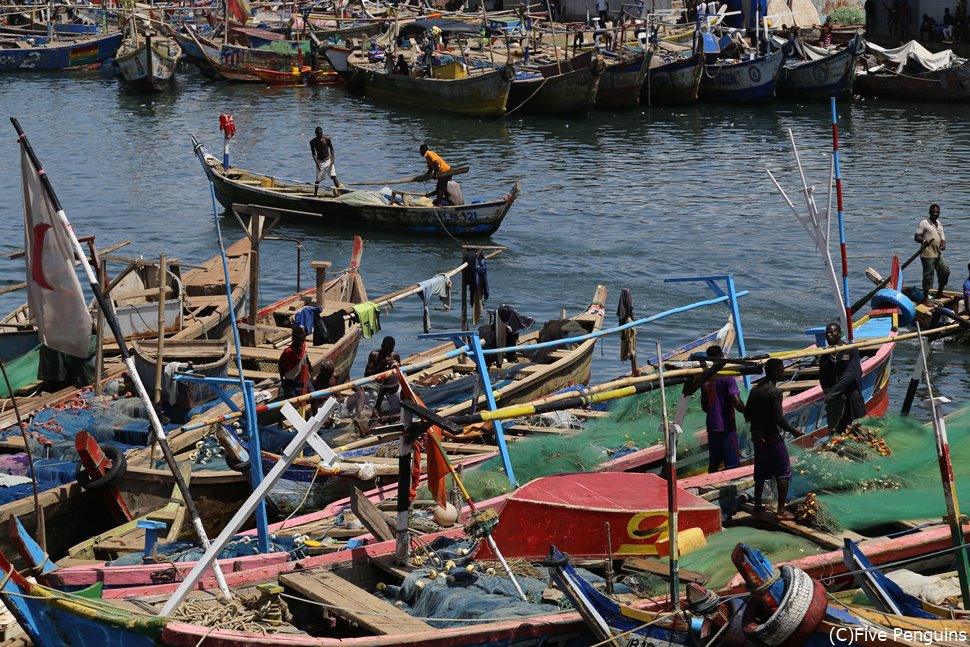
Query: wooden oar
<point x="424" y="177"/>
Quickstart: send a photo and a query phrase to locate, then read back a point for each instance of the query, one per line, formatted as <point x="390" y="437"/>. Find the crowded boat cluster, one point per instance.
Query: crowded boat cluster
<point x="542" y="59"/>
<point x="180" y="465"/>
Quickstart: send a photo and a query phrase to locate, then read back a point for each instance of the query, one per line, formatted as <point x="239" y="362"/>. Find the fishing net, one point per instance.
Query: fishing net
<point x="714" y="559"/>
<point x="21" y="372"/>
<point x="634" y="423"/>
<point x="862" y="482"/>
<point x="190" y="551"/>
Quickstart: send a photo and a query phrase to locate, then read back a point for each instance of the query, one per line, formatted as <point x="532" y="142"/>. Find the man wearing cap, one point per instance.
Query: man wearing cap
<point x="719" y="400"/>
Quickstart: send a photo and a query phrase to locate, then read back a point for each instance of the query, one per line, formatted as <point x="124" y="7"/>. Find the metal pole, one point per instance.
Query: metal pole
<point x="160" y="349"/>
<point x="476" y="346"/>
<point x="256" y="470"/>
<point x="99" y="351"/>
<point x="670" y="434"/>
<point x="157" y="430"/>
<point x="838" y="196"/>
<point x="949" y="487"/>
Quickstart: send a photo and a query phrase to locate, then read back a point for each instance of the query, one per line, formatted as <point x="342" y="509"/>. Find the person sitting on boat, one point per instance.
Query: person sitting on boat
<point x="767" y="418"/>
<point x="294" y="365"/>
<point x="437" y="167"/>
<point x="825" y="34"/>
<point x="927" y="29"/>
<point x="930" y="235"/>
<point x="840" y="375"/>
<point x="719" y="400"/>
<point x="379" y="361"/>
<point x="947" y="28"/>
<point x="401" y="66"/>
<point x="322" y="149"/>
<point x="453" y="194"/>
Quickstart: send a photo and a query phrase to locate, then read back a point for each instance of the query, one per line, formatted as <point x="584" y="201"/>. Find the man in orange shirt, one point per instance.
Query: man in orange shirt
<point x="438" y="168"/>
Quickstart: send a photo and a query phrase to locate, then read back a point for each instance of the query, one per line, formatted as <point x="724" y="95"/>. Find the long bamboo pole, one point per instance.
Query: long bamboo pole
<point x="156" y="426"/>
<point x="160" y="348"/>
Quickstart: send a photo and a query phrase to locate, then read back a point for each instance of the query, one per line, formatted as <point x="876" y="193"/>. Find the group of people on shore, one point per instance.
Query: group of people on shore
<point x="952" y="25"/>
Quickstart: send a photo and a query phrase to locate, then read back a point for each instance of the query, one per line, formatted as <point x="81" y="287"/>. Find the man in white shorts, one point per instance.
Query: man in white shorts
<point x="322" y="149"/>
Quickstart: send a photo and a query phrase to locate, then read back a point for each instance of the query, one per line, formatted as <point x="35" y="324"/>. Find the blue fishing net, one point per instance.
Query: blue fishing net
<point x="189" y="551"/>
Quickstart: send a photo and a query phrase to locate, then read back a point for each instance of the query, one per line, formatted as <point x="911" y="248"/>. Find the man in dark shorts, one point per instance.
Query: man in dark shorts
<point x="719" y="400"/>
<point x="437" y="167"/>
<point x="840" y="375"/>
<point x="764" y="412"/>
<point x="382" y="360"/>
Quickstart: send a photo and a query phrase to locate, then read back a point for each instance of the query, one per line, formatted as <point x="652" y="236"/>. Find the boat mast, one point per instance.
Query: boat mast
<point x="158" y="432"/>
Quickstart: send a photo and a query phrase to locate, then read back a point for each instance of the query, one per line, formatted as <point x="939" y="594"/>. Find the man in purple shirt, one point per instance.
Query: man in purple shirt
<point x="966" y="294"/>
<point x="719" y="399"/>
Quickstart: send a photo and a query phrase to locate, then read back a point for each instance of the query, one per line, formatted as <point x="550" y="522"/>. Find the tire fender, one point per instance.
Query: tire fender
<point x="889" y="298"/>
<point x="796" y="618"/>
<point x="118" y="468"/>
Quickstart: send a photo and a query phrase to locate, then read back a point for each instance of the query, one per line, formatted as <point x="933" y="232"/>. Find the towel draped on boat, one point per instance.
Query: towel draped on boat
<point x="369" y="317"/>
<point x="306" y="317"/>
<point x="329" y="328"/>
<point x="439" y="286"/>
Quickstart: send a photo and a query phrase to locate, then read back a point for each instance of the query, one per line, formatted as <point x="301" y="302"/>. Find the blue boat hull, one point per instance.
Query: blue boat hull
<point x="86" y="54"/>
<point x="751" y="81"/>
<point x="819" y="80"/>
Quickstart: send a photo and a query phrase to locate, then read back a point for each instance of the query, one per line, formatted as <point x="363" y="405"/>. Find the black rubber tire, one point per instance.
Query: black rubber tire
<point x="119" y="465"/>
<point x="237" y="467"/>
<point x="553" y="563"/>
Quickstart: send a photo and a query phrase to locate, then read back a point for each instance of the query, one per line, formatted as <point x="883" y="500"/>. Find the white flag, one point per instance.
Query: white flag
<point x="53" y="290"/>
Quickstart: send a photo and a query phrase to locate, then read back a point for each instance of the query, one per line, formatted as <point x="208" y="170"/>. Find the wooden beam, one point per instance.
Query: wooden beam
<point x="369" y="515"/>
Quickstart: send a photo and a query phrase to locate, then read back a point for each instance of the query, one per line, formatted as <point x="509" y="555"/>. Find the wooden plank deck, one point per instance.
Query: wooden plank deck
<point x="353" y="603"/>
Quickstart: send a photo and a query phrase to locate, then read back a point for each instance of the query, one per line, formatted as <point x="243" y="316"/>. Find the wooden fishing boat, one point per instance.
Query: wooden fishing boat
<point x="622" y="81"/>
<point x="481" y="93"/>
<point x="236" y="62"/>
<point x="948" y="84"/>
<point x="148" y="66"/>
<point x="742" y="81"/>
<point x="672" y="82"/>
<point x="297" y="77"/>
<point x="567" y="88"/>
<point x="37" y="53"/>
<point x="818" y="79"/>
<point x="339" y="59"/>
<point x="804" y="402"/>
<point x="354" y="209"/>
<point x="209" y="358"/>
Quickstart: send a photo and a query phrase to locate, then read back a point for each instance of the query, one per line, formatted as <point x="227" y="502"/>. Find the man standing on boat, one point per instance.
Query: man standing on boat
<point x="930" y="235"/>
<point x="438" y="168"/>
<point x="765" y="413"/>
<point x="719" y="400"/>
<point x="322" y="149"/>
<point x="294" y="365"/>
<point x="840" y="375"/>
<point x="966" y="294"/>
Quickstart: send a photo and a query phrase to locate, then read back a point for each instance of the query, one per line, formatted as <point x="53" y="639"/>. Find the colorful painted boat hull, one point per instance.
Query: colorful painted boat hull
<point x="80" y="54"/>
<point x="819" y="80"/>
<point x="150" y="67"/>
<point x="751" y="81"/>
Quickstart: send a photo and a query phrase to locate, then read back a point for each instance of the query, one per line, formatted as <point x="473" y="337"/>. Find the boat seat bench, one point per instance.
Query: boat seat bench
<point x="353" y="603"/>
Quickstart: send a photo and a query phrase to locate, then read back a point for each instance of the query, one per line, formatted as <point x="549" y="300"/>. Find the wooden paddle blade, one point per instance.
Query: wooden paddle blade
<point x="424" y="177"/>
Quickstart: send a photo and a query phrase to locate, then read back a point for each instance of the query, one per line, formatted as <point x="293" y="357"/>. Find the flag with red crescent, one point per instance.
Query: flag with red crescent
<point x="54" y="293"/>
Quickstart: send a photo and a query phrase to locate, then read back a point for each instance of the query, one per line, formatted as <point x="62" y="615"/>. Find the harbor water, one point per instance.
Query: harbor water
<point x="625" y="199"/>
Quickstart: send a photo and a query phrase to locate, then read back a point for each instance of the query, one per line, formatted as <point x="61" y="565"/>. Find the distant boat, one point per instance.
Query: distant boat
<point x="39" y="53"/>
<point x="297" y="77"/>
<point x="481" y="93"/>
<point x="622" y="80"/>
<point x="750" y="80"/>
<point x="672" y="82"/>
<point x="816" y="76"/>
<point x="569" y="87"/>
<point x="148" y="65"/>
<point x="911" y="72"/>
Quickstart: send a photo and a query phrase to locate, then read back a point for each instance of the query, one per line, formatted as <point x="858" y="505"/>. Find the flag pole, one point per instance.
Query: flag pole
<point x="126" y="357"/>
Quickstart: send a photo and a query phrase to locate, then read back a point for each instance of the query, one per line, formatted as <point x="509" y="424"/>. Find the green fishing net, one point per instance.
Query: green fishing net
<point x="21" y="372"/>
<point x="634" y="423"/>
<point x="714" y="559"/>
<point x="860" y="488"/>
